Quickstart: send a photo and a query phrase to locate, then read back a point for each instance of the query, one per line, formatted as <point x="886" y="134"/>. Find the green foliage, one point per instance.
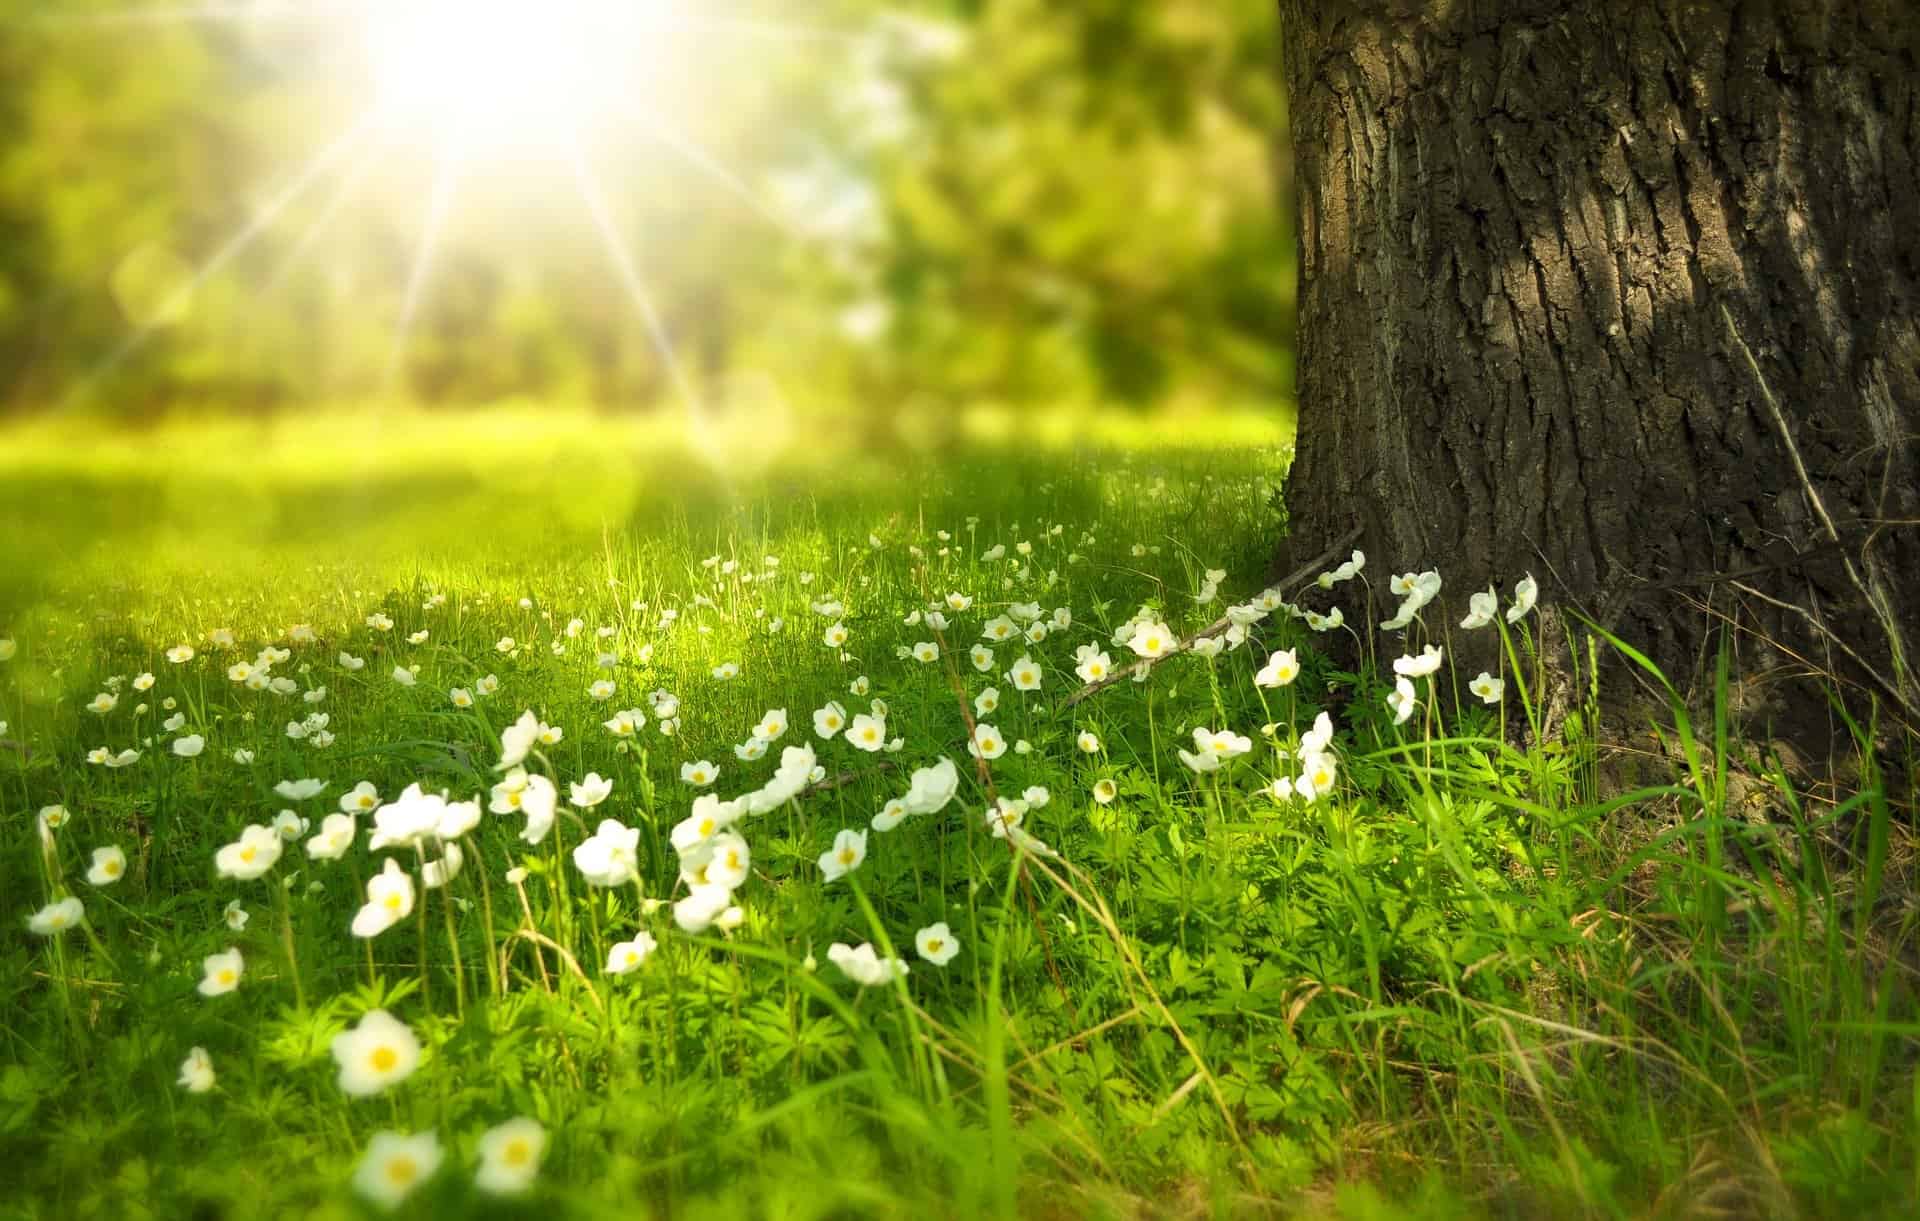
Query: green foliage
<point x="1470" y="979"/>
<point x="1002" y="201"/>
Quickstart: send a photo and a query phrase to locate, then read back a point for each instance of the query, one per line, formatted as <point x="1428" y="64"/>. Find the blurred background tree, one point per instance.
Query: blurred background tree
<point x="984" y="201"/>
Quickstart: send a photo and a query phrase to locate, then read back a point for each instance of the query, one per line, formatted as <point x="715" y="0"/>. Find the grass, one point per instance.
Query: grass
<point x="1495" y="970"/>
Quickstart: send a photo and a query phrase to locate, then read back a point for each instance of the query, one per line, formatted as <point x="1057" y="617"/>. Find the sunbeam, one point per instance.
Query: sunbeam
<point x="263" y="220"/>
<point x="698" y="157"/>
<point x="343" y="193"/>
<point x="199" y="14"/>
<point x="445" y="181"/>
<point x="590" y="191"/>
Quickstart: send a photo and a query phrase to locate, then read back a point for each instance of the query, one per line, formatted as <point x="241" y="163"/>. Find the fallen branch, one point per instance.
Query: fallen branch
<point x="1310" y="569"/>
<point x="830" y="783"/>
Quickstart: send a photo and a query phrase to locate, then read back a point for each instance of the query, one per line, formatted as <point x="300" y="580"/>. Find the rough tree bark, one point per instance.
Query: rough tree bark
<point x="1625" y="293"/>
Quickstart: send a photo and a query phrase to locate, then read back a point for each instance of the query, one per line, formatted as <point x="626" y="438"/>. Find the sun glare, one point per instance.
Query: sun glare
<point x="505" y="76"/>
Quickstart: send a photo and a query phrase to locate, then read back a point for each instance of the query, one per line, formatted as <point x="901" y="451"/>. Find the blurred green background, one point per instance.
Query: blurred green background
<point x="867" y="213"/>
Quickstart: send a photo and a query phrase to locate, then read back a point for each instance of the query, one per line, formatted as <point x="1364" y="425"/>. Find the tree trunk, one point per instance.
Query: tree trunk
<point x="1625" y="294"/>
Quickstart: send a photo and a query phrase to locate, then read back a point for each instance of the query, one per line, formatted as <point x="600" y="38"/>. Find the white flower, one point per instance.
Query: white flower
<point x="1419" y="667"/>
<point x="510" y="1153"/>
<point x="349" y="662"/>
<point x="56" y="917"/>
<point x="1104" y="791"/>
<point x="772" y="726"/>
<point x="868" y="733"/>
<point x="221" y="973"/>
<point x="729" y="860"/>
<point x="532" y="795"/>
<point x="1093" y="665"/>
<point x="1525" y="593"/>
<point x="926" y="651"/>
<point x="1004" y="815"/>
<point x="626" y="955"/>
<point x="1025" y="675"/>
<point x="179" y="654"/>
<point x="1281" y="669"/>
<point x="1481" y="608"/>
<point x="626" y="723"/>
<point x="1316" y="777"/>
<point x="404" y="676"/>
<point x="863" y="966"/>
<point x="986" y="742"/>
<point x="1487" y="687"/>
<point x="289" y="825"/>
<point x="299" y="790"/>
<point x="243" y="757"/>
<point x="249" y="856"/>
<point x="936" y="944"/>
<point x="836" y="636"/>
<point x="982" y="657"/>
<point x="931" y="788"/>
<point x="109" y="866"/>
<point x="189" y="746"/>
<point x="378" y="1053"/>
<point x="699" y="773"/>
<point x="1319" y="738"/>
<point x="360" y="798"/>
<point x="516" y="740"/>
<point x="1211" y="749"/>
<point x="103" y="703"/>
<point x="848" y="851"/>
<point x="702" y="906"/>
<point x="1152" y="639"/>
<point x="336" y="836"/>
<point x="407" y="819"/>
<point x="394" y="1165"/>
<point x="435" y="874"/>
<point x="829" y="720"/>
<point x="196" y="1071"/>
<point x="611" y="856"/>
<point x="1401" y="701"/>
<point x="890" y="816"/>
<point x="1225" y="743"/>
<point x="460" y="697"/>
<point x="235" y="915"/>
<point x="590" y="791"/>
<point x="726" y="670"/>
<point x="389" y="901"/>
<point x="1088" y="742"/>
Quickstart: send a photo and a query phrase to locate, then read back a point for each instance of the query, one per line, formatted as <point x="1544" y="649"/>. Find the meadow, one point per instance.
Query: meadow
<point x="544" y="813"/>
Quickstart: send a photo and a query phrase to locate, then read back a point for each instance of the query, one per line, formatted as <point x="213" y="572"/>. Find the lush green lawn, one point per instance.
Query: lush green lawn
<point x="1471" y="976"/>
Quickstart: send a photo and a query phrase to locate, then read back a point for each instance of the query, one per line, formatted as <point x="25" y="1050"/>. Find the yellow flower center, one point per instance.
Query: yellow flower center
<point x="934" y="944"/>
<point x="111" y="869"/>
<point x="247" y="854"/>
<point x="517" y="1153"/>
<point x="846" y="857"/>
<point x="226" y="978"/>
<point x="402" y="1170"/>
<point x="393" y="901"/>
<point x="384" y="1059"/>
